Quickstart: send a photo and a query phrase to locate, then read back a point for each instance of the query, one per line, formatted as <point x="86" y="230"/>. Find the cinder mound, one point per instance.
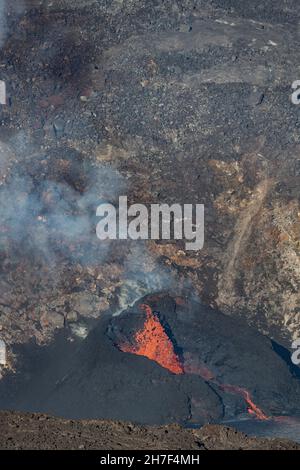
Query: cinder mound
<point x="234" y="358"/>
<point x="97" y="380"/>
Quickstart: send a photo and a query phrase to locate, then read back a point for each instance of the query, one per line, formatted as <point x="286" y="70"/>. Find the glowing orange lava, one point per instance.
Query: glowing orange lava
<point x="253" y="409"/>
<point x="153" y="342"/>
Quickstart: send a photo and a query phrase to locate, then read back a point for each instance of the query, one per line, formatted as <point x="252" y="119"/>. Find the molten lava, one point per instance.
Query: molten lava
<point x="253" y="409"/>
<point x="153" y="342"/>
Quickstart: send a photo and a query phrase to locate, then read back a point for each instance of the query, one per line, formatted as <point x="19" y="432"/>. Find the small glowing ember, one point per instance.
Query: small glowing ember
<point x="153" y="342"/>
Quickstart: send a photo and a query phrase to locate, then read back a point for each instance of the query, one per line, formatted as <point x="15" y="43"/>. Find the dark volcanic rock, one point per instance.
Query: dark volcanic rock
<point x="184" y="102"/>
<point x="36" y="431"/>
<point x="99" y="381"/>
<point x="223" y="360"/>
<point x="190" y="102"/>
<point x="224" y="351"/>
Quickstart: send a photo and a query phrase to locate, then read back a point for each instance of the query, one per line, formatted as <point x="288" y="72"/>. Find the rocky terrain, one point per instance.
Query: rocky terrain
<point x="170" y="102"/>
<point x="165" y="102"/>
<point x="36" y="431"/>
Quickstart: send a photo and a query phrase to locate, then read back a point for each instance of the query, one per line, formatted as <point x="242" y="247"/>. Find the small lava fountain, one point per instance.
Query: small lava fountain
<point x="253" y="409"/>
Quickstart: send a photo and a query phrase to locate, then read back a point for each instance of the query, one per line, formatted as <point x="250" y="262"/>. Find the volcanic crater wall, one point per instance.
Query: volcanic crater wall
<point x="226" y="353"/>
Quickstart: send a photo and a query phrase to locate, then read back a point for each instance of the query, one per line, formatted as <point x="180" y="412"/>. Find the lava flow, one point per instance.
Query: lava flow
<point x="153" y="342"/>
<point x="253" y="409"/>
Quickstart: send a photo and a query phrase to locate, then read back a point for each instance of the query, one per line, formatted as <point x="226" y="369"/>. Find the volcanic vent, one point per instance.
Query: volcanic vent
<point x="153" y="342"/>
<point x="157" y="343"/>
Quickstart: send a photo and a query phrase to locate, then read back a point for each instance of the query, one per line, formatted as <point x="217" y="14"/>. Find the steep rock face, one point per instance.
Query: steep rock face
<point x="223" y="132"/>
<point x="97" y="380"/>
<point x="176" y="102"/>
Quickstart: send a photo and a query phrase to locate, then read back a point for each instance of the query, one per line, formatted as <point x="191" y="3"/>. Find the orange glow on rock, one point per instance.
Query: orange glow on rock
<point x="153" y="342"/>
<point x="253" y="409"/>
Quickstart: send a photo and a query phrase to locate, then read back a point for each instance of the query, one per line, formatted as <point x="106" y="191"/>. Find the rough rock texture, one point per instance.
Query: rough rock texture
<point x="96" y="380"/>
<point x="36" y="431"/>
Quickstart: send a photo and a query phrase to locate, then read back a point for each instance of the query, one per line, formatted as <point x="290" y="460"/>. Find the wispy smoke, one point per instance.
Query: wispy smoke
<point x="3" y="21"/>
<point x="47" y="211"/>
